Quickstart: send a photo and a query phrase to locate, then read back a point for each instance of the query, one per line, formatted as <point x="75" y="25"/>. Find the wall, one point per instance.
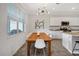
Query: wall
<point x="74" y="21"/>
<point x="54" y="21"/>
<point x="10" y="44"/>
<point x="32" y="20"/>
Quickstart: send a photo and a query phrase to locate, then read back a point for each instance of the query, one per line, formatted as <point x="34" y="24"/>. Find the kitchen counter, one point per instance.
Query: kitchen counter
<point x="73" y="33"/>
<point x="68" y="40"/>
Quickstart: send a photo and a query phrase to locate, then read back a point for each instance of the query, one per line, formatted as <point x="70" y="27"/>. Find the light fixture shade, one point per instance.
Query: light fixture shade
<point x="42" y="11"/>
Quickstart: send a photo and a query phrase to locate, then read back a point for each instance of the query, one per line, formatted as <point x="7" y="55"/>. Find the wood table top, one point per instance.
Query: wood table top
<point x="42" y="35"/>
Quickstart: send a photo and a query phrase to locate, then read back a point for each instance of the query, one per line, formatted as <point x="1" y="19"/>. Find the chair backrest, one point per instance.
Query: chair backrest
<point x="39" y="43"/>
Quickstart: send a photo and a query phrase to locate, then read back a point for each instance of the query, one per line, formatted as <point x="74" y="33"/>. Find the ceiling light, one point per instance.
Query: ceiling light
<point x="73" y="8"/>
<point x="42" y="11"/>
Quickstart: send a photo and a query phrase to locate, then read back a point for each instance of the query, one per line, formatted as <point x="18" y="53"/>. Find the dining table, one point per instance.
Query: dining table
<point x="34" y="36"/>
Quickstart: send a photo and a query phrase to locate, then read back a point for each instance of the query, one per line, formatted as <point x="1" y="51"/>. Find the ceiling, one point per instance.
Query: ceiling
<point x="55" y="9"/>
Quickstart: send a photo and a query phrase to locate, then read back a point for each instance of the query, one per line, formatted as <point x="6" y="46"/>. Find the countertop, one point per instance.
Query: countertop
<point x="73" y="33"/>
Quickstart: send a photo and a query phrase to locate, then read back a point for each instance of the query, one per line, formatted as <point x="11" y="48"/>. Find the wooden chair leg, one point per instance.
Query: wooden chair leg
<point x="35" y="51"/>
<point x="44" y="51"/>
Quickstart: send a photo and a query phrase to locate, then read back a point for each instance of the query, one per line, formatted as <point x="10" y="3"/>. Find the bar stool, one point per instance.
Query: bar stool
<point x="76" y="42"/>
<point x="40" y="45"/>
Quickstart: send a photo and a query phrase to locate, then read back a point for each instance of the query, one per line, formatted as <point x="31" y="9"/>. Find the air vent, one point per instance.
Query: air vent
<point x="58" y="3"/>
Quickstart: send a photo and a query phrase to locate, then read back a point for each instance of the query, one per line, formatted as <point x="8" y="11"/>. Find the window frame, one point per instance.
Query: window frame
<point x="18" y="26"/>
<point x="18" y="18"/>
<point x="11" y="18"/>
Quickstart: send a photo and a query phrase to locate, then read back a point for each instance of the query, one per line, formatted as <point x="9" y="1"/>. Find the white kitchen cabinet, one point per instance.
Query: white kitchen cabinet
<point x="68" y="41"/>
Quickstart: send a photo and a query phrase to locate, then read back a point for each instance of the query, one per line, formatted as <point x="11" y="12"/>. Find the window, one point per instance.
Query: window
<point x="13" y="27"/>
<point x="20" y="26"/>
<point x="15" y="20"/>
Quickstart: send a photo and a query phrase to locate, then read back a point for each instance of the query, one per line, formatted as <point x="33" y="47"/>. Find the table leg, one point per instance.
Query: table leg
<point x="28" y="48"/>
<point x="49" y="48"/>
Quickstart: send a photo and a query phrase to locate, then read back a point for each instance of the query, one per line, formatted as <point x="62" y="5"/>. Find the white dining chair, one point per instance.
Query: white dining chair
<point x="40" y="45"/>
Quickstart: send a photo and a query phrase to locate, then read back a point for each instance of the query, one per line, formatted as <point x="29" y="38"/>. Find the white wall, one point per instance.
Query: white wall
<point x="54" y="21"/>
<point x="10" y="44"/>
<point x="74" y="21"/>
<point x="33" y="18"/>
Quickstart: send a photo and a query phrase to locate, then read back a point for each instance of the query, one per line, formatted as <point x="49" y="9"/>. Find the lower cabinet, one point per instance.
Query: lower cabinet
<point x="67" y="42"/>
